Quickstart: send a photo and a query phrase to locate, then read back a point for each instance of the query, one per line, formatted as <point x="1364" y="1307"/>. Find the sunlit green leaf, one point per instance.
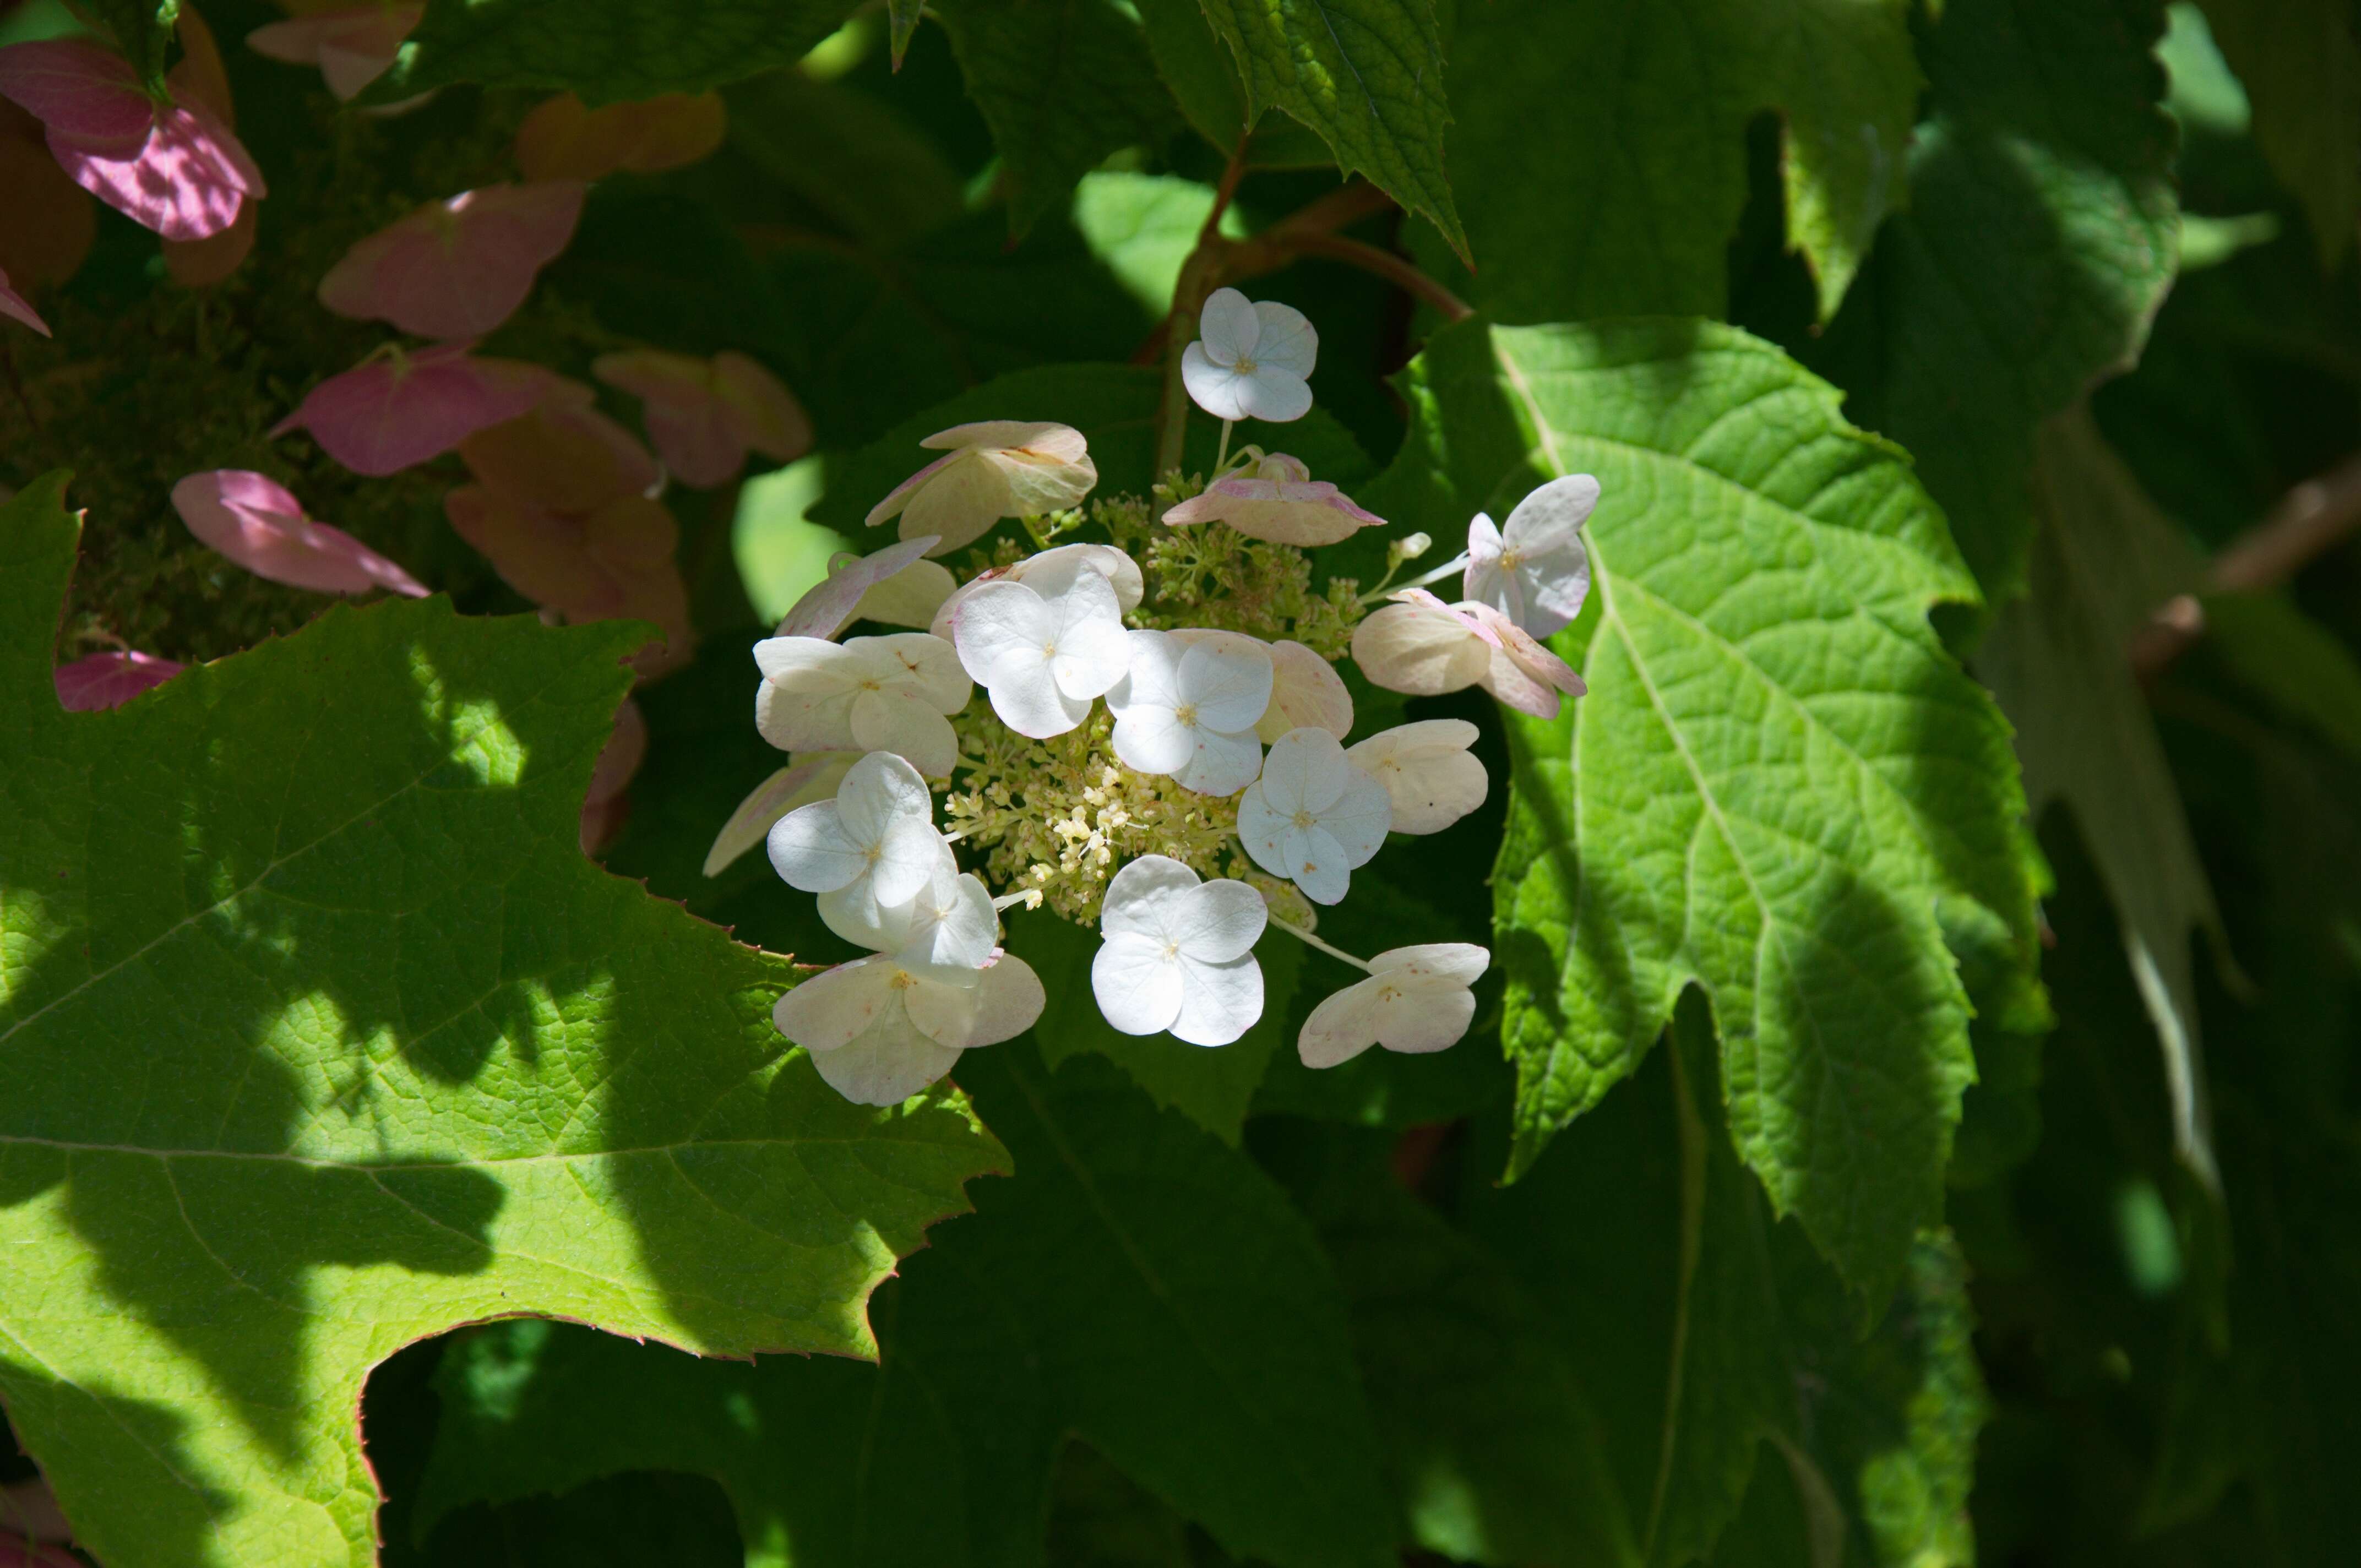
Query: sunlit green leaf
<point x="319" y="1035"/>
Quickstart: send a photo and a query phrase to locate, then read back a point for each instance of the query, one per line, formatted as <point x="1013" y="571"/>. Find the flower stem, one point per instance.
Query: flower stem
<point x="1459" y="563"/>
<point x="1222" y="452"/>
<point x="1301" y="935"/>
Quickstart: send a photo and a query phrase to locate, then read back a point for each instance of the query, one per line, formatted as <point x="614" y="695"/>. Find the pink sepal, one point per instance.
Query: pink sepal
<point x="110" y="680"/>
<point x="253" y="520"/>
<point x="386" y="414"/>
<point x="458" y="268"/>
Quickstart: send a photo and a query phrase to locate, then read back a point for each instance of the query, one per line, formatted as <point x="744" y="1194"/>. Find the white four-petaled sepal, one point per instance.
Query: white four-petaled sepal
<point x="1250" y="360"/>
<point x="871" y="693"/>
<point x="1421" y="645"/>
<point x="1179" y="953"/>
<point x="1188" y="709"/>
<point x="871" y="850"/>
<point x="1416" y="1000"/>
<point x="1314" y="817"/>
<point x="1427" y="770"/>
<point x="1044" y="658"/>
<point x="1049" y="574"/>
<point x="1534" y="570"/>
<point x="996" y="469"/>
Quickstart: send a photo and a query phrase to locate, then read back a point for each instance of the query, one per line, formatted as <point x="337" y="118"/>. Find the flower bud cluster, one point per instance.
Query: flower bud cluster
<point x="1162" y="748"/>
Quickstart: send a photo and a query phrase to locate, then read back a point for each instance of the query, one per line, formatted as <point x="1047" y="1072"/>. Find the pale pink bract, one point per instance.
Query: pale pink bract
<point x="704" y="415"/>
<point x="110" y="680"/>
<point x="352" y="46"/>
<point x="392" y="411"/>
<point x="80" y="90"/>
<point x="1278" y="500"/>
<point x="255" y="522"/>
<point x="457" y="267"/>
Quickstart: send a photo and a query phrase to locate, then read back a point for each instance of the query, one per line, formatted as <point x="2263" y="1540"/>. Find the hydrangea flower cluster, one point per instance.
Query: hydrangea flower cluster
<point x="1164" y="747"/>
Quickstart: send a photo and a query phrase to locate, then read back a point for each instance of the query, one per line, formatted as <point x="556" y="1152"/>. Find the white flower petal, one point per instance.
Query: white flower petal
<point x="1141" y="899"/>
<point x="911" y="595"/>
<point x="1230" y="326"/>
<point x="1218" y="921"/>
<point x="796" y="718"/>
<point x="965" y="496"/>
<point x="1153" y="740"/>
<point x="1092" y="648"/>
<point x="1227" y="677"/>
<point x="1001" y="629"/>
<point x="1263" y="831"/>
<point x="910" y="855"/>
<point x="1450" y="963"/>
<point x="887" y="1064"/>
<point x="834" y="1007"/>
<point x="1033" y="705"/>
<point x="824" y="610"/>
<point x="1286" y="341"/>
<point x="1221" y="764"/>
<point x="1428" y="774"/>
<point x="1139" y="987"/>
<point x="812" y="852"/>
<point x="1323" y="867"/>
<point x="1219" y="390"/>
<point x="1305" y="690"/>
<point x="813" y="663"/>
<point x="1219" y="1001"/>
<point x="943" y="1009"/>
<point x="853" y="913"/>
<point x="879" y="790"/>
<point x="1275" y="396"/>
<point x="1011" y="1000"/>
<point x="1549" y="517"/>
<point x="1052" y="571"/>
<point x="1422" y="1020"/>
<point x="1360" y="818"/>
<point x="1341" y="1027"/>
<point x="900" y="721"/>
<point x="1306" y="770"/>
<point x="926" y="663"/>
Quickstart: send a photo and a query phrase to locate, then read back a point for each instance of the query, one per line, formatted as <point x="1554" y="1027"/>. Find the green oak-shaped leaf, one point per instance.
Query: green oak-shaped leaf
<point x="606" y="50"/>
<point x="1062" y="83"/>
<point x="1367" y="75"/>
<point x="1136" y="1284"/>
<point x="2041" y="237"/>
<point x="2301" y="68"/>
<point x="1779" y="788"/>
<point x="2104" y="561"/>
<point x="319" y="1035"/>
<point x="1601" y="146"/>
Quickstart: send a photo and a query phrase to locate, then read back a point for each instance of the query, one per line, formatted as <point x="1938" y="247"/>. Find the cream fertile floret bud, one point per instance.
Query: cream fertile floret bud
<point x="1250" y="360"/>
<point x="1426" y="771"/>
<point x="1179" y="953"/>
<point x="871" y="693"/>
<point x="1188" y="709"/>
<point x="1277" y="500"/>
<point x="1044" y="658"/>
<point x="1535" y="570"/>
<point x="997" y="468"/>
<point x="1313" y="817"/>
<point x="1416" y="1000"/>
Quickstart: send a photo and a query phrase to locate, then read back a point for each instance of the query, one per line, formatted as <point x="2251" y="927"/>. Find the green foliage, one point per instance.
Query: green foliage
<point x="2104" y="559"/>
<point x="606" y="50"/>
<point x="2301" y="68"/>
<point x="321" y="1036"/>
<point x="1062" y="83"/>
<point x="143" y="30"/>
<point x="1778" y="782"/>
<point x="1660" y="95"/>
<point x="1137" y="1283"/>
<point x="1367" y="75"/>
<point x="2039" y="240"/>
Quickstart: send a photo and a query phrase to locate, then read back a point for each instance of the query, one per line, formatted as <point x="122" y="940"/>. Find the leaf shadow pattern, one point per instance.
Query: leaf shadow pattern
<point x="318" y="1036"/>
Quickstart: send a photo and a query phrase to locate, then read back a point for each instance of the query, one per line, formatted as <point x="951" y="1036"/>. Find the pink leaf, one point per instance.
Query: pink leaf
<point x="255" y="522"/>
<point x="389" y="412"/>
<point x="352" y="48"/>
<point x="703" y="415"/>
<point x="81" y="92"/>
<point x="12" y="304"/>
<point x="187" y="181"/>
<point x="110" y="680"/>
<point x="459" y="267"/>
